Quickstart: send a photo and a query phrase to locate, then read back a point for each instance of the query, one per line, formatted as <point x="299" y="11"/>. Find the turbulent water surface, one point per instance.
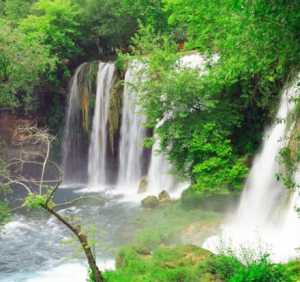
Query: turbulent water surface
<point x="37" y="248"/>
<point x="266" y="219"/>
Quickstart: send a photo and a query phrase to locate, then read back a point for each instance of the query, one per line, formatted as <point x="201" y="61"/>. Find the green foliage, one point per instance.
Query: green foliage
<point x="262" y="270"/>
<point x="290" y="166"/>
<point x="163" y="265"/>
<point x="229" y="269"/>
<point x="193" y="264"/>
<point x="111" y="24"/>
<point x="214" y="120"/>
<point x="54" y="23"/>
<point x="17" y="9"/>
<point x="4" y="212"/>
<point x="197" y="131"/>
<point x="33" y="201"/>
<point x="289" y="155"/>
<point x="91" y="276"/>
<point x="223" y="266"/>
<point x="293" y="268"/>
<point x="216" y="166"/>
<point x="42" y="40"/>
<point x="23" y="61"/>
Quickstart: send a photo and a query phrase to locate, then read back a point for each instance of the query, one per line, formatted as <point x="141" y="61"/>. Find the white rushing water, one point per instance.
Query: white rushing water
<point x="160" y="174"/>
<point x="98" y="144"/>
<point x="73" y="133"/>
<point x="266" y="211"/>
<point x="133" y="158"/>
<point x="133" y="132"/>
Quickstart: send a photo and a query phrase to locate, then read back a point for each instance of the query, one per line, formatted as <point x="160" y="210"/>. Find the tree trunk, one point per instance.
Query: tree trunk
<point x="83" y="241"/>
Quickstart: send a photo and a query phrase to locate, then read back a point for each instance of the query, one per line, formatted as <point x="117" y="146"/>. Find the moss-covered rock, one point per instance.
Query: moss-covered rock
<point x="143" y="185"/>
<point x="188" y="263"/>
<point x="115" y="108"/>
<point x="164" y="197"/>
<point x="165" y="264"/>
<point x="150" y="202"/>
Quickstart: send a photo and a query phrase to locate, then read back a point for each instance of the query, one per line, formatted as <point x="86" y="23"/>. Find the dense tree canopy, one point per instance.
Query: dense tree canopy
<point x="216" y="119"/>
<point x="64" y="34"/>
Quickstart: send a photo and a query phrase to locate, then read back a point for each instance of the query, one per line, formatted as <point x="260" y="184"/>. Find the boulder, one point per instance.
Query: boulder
<point x="143" y="185"/>
<point x="150" y="202"/>
<point x="164" y="197"/>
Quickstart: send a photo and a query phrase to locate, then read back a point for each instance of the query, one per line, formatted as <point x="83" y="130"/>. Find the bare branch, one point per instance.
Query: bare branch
<point x="71" y="202"/>
<point x="44" y="165"/>
<point x="51" y="195"/>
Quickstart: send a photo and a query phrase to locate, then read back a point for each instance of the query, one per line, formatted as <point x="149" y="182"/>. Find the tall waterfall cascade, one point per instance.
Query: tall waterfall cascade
<point x="97" y="164"/>
<point x="266" y="219"/>
<point x="160" y="176"/>
<point x="87" y="152"/>
<point x="86" y="149"/>
<point x="133" y="133"/>
<point x="73" y="135"/>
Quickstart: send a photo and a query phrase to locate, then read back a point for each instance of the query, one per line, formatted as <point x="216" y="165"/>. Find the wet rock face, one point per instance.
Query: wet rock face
<point x="164" y="197"/>
<point x="9" y="123"/>
<point x="150" y="202"/>
<point x="143" y="185"/>
<point x="153" y="201"/>
<point x="14" y="141"/>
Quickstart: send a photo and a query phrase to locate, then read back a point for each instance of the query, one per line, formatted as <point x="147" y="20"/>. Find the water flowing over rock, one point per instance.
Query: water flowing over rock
<point x="160" y="177"/>
<point x="266" y="208"/>
<point x="133" y="132"/>
<point x="160" y="173"/>
<point x="90" y="150"/>
<point x="97" y="168"/>
<point x="74" y="143"/>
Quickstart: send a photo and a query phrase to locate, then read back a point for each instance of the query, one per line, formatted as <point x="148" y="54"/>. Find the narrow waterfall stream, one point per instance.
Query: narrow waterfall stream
<point x="160" y="175"/>
<point x="73" y="158"/>
<point x="133" y="133"/>
<point x="265" y="206"/>
<point x="97" y="169"/>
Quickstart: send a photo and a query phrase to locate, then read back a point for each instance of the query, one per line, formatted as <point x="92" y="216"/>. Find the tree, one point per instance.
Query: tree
<point x="54" y="23"/>
<point x="15" y="10"/>
<point x="110" y="25"/>
<point x="23" y="61"/>
<point x="39" y="190"/>
<point x="197" y="127"/>
<point x="257" y="44"/>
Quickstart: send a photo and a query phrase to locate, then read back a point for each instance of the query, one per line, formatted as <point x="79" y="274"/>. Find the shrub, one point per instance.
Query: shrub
<point x="262" y="270"/>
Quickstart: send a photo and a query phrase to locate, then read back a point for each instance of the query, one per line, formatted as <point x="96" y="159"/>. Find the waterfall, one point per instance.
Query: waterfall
<point x="265" y="207"/>
<point x="160" y="176"/>
<point x="98" y="163"/>
<point x="97" y="166"/>
<point x="73" y="156"/>
<point x="132" y="132"/>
